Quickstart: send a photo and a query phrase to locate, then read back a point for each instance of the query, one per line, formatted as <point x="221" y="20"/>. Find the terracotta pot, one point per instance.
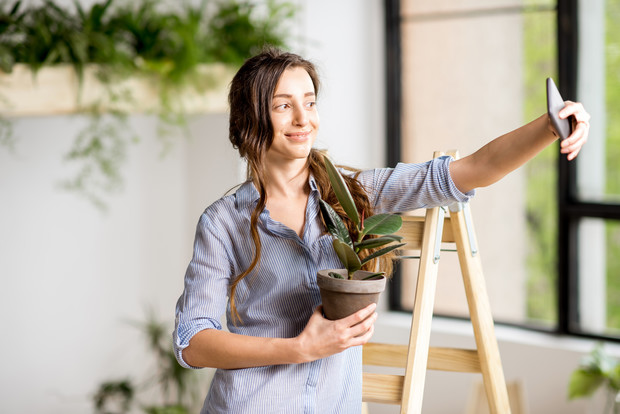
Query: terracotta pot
<point x="343" y="297"/>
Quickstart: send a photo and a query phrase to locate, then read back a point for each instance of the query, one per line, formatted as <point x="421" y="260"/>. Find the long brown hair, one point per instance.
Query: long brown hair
<point x="251" y="133"/>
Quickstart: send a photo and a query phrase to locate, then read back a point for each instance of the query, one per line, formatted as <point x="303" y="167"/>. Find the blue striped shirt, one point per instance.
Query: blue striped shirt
<point x="278" y="298"/>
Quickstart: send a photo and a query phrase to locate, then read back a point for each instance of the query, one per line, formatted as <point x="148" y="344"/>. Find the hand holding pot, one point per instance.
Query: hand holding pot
<point x="322" y="337"/>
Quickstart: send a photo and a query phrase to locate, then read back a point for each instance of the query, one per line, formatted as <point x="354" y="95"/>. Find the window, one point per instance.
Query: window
<point x="590" y="188"/>
<point x="461" y="74"/>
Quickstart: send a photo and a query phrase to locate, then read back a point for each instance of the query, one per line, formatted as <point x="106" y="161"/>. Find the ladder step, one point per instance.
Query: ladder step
<point x="440" y="359"/>
<point x="455" y="360"/>
<point x="413" y="231"/>
<point x="384" y="355"/>
<point x="418" y="257"/>
<point x="382" y="388"/>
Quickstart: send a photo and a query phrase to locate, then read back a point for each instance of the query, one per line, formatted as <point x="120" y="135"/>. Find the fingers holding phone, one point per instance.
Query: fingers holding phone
<point x="570" y="121"/>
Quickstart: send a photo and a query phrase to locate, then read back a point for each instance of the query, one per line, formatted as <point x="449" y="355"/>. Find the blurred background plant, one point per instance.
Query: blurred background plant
<point x="166" y="43"/>
<point x="597" y="370"/>
<point x="175" y="387"/>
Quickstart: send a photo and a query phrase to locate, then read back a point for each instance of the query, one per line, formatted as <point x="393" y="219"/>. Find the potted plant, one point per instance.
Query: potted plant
<point x="597" y="370"/>
<point x="168" y="389"/>
<point x="347" y="290"/>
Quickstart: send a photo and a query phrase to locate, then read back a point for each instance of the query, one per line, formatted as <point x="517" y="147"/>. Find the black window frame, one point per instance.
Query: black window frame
<point x="571" y="209"/>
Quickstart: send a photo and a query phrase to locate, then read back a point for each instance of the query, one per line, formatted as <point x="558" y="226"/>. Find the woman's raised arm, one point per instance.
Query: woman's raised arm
<point x="508" y="152"/>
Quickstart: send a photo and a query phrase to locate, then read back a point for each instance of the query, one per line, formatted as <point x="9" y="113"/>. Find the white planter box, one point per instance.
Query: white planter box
<point x="55" y="90"/>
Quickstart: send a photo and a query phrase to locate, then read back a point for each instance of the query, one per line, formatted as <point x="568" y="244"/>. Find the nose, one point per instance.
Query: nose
<point x="300" y="116"/>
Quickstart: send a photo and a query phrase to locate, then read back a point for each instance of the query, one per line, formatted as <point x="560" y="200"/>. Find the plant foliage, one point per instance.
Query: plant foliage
<point x="175" y="385"/>
<point x="597" y="370"/>
<point x="374" y="232"/>
<point x="144" y="35"/>
<point x="164" y="42"/>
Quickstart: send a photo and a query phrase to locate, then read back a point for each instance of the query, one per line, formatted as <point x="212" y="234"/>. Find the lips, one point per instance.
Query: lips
<point x="298" y="136"/>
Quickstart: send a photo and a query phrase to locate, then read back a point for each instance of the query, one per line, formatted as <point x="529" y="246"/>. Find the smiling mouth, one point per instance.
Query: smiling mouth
<point x="298" y="136"/>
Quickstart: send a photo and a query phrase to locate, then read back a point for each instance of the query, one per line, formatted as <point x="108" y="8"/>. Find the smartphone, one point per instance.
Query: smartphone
<point x="555" y="103"/>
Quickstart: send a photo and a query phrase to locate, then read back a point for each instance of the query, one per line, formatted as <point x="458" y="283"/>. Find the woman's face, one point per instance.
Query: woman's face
<point x="294" y="116"/>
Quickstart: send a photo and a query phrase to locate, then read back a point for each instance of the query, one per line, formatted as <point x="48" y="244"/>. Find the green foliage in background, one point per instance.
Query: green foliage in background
<point x="142" y="35"/>
<point x="597" y="370"/>
<point x="164" y="42"/>
<point x="612" y="155"/>
<point x="175" y="387"/>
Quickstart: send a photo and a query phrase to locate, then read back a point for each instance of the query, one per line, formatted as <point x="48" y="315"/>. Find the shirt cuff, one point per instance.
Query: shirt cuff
<point x="453" y="191"/>
<point x="185" y="331"/>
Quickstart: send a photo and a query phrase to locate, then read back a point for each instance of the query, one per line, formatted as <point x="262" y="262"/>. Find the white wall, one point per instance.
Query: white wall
<point x="345" y="40"/>
<point x="73" y="277"/>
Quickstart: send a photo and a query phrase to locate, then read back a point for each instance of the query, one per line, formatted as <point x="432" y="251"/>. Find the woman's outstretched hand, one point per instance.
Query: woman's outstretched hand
<point x="322" y="337"/>
<point x="581" y="127"/>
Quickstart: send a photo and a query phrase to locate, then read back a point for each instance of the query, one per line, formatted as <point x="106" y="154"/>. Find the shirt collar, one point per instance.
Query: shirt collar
<point x="312" y="182"/>
<point x="246" y="195"/>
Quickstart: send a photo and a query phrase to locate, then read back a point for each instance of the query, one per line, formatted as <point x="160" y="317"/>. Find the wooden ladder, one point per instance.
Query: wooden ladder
<point x="426" y="235"/>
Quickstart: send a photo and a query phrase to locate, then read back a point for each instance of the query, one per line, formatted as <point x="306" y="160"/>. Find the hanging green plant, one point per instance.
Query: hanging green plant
<point x="165" y="46"/>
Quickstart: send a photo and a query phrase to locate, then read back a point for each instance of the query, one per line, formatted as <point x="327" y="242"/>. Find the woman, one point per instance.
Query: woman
<point x="262" y="246"/>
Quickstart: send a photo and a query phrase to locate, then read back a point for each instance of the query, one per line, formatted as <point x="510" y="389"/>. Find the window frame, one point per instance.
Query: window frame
<point x="571" y="208"/>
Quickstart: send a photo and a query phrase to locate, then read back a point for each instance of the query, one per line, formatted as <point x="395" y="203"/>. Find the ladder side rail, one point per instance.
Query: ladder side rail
<point x="419" y="340"/>
<point x="480" y="310"/>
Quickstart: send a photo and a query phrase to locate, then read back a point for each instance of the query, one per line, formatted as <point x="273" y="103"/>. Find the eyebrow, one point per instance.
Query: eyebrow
<point x="286" y="95"/>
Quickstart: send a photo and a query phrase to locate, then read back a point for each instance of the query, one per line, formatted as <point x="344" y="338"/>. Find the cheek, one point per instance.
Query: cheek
<point x="276" y="124"/>
<point x="316" y="120"/>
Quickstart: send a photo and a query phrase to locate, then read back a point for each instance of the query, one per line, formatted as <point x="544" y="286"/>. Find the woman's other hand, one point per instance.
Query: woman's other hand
<point x="322" y="337"/>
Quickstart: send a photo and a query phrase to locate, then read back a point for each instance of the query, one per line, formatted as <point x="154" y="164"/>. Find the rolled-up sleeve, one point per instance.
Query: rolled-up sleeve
<point x="411" y="186"/>
<point x="207" y="278"/>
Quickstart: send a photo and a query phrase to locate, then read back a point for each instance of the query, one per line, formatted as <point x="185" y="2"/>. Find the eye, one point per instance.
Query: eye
<point x="311" y="104"/>
<point x="281" y="107"/>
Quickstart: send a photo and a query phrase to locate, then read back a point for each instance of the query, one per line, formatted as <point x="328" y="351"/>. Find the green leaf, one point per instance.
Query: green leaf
<point x="335" y="225"/>
<point x="15" y="8"/>
<point x="373" y="276"/>
<point x="336" y="275"/>
<point x="599" y="360"/>
<point x="342" y="191"/>
<point x="347" y="256"/>
<point x="584" y="383"/>
<point x="121" y="392"/>
<point x="7" y="60"/>
<point x="380" y="224"/>
<point x="376" y="242"/>
<point x="381" y="252"/>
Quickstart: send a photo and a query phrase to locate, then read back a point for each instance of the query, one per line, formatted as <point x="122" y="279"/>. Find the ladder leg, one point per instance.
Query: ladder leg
<point x="419" y="341"/>
<point x="480" y="312"/>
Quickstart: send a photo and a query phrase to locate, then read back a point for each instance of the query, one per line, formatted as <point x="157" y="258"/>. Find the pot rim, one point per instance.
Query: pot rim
<point x="324" y="281"/>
